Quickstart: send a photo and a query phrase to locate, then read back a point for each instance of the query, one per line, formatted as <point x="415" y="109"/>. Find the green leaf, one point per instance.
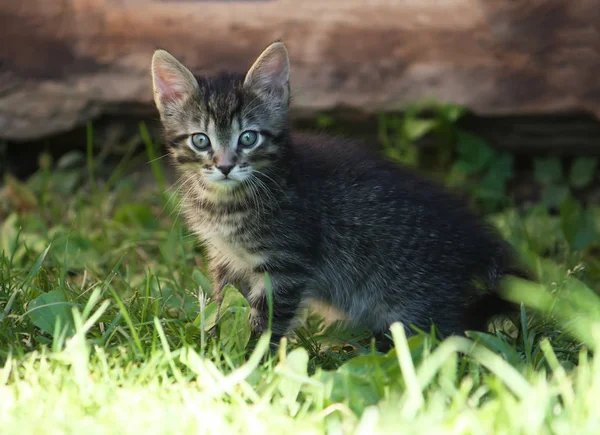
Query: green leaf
<point x="177" y="304"/>
<point x="361" y="381"/>
<point x="324" y="121"/>
<point x="554" y="195"/>
<point x="210" y="316"/>
<point x="582" y="172"/>
<point x="502" y="167"/>
<point x="451" y="112"/>
<point x="474" y="153"/>
<point x="71" y="160"/>
<point x="74" y="250"/>
<point x="9" y="234"/>
<point x="48" y="309"/>
<point x="547" y="171"/>
<point x="234" y="322"/>
<point x="542" y="231"/>
<point x="66" y="182"/>
<point x="498" y="345"/>
<point x="491" y="187"/>
<point x="415" y="128"/>
<point x="578" y="225"/>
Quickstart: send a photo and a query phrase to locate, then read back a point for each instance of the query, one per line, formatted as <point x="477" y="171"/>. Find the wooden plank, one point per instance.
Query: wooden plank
<point x="69" y="61"/>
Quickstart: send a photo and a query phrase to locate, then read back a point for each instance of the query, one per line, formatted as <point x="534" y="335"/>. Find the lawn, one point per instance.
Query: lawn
<point x="105" y="320"/>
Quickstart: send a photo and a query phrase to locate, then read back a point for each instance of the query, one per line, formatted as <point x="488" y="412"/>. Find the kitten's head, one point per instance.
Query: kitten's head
<point x="224" y="129"/>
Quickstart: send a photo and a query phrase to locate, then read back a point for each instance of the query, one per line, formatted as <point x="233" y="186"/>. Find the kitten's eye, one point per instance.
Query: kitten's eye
<point x="248" y="139"/>
<point x="200" y="141"/>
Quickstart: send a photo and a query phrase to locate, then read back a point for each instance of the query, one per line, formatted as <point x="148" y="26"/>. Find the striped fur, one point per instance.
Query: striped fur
<point x="328" y="220"/>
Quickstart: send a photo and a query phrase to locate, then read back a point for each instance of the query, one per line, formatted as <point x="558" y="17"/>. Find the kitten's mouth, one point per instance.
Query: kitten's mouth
<point x="225" y="182"/>
<point x="228" y="180"/>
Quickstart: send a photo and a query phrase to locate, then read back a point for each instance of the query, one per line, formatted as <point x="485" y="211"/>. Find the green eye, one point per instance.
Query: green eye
<point x="200" y="141"/>
<point x="248" y="139"/>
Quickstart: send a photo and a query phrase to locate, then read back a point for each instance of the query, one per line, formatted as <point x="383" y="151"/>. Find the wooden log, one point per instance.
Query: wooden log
<point x="64" y="62"/>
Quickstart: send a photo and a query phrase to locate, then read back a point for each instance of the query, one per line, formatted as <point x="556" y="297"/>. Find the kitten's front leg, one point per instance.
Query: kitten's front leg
<point x="286" y="301"/>
<point x="221" y="277"/>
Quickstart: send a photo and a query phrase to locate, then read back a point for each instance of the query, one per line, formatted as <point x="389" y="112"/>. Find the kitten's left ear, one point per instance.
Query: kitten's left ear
<point x="270" y="74"/>
<point x="173" y="83"/>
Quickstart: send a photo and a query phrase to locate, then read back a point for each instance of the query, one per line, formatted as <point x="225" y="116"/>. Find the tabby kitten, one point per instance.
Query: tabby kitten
<point x="327" y="219"/>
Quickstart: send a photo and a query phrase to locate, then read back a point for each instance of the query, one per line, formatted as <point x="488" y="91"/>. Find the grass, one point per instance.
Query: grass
<point x="105" y="314"/>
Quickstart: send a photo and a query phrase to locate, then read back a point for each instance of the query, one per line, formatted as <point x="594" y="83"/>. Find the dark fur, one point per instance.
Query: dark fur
<point x="335" y="223"/>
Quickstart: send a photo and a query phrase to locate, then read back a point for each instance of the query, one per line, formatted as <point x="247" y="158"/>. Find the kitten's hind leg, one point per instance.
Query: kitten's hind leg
<point x="383" y="343"/>
<point x="286" y="303"/>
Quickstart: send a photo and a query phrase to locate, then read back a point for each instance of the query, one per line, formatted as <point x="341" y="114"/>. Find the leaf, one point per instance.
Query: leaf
<point x="582" y="172"/>
<point x="553" y="195"/>
<point x="178" y="304"/>
<point x="474" y="153"/>
<point x="502" y="167"/>
<point x="491" y="187"/>
<point x="452" y="112"/>
<point x="48" y="309"/>
<point x="543" y="232"/>
<point x="324" y="121"/>
<point x="66" y="181"/>
<point x="9" y="235"/>
<point x="210" y="316"/>
<point x="71" y="160"/>
<point x="74" y="251"/>
<point x="415" y="128"/>
<point x="547" y="171"/>
<point x="234" y="322"/>
<point x="498" y="345"/>
<point x="361" y="381"/>
<point x="578" y="226"/>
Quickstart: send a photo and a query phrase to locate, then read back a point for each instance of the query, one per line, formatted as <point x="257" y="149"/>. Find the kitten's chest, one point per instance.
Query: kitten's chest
<point x="231" y="242"/>
<point x="237" y="256"/>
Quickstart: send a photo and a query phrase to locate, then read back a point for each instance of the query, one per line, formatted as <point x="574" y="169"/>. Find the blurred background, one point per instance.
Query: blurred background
<point x="500" y="100"/>
<point x="521" y="75"/>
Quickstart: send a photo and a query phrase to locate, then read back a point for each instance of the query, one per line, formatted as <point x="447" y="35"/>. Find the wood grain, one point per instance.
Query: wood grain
<point x="64" y="62"/>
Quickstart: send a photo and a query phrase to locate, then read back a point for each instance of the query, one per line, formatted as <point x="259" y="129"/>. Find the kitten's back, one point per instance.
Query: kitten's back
<point x="378" y="212"/>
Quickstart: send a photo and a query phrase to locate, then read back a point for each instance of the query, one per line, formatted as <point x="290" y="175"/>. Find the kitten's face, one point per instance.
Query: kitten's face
<point x="223" y="129"/>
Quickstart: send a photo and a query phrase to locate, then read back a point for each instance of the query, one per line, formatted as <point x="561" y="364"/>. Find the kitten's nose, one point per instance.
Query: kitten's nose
<point x="225" y="169"/>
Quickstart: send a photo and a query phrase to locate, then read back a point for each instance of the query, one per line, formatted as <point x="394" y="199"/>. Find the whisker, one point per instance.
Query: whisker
<point x="254" y="198"/>
<point x="177" y="186"/>
<point x="271" y="179"/>
<point x="269" y="196"/>
<point x="160" y="157"/>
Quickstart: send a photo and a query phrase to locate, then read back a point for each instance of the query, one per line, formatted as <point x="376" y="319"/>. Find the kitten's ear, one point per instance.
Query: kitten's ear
<point x="173" y="83"/>
<point x="270" y="74"/>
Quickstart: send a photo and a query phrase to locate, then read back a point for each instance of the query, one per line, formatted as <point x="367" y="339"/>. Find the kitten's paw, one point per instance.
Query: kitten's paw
<point x="258" y="322"/>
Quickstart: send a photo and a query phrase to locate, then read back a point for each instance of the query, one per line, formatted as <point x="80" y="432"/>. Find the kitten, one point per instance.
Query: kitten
<point x="327" y="219"/>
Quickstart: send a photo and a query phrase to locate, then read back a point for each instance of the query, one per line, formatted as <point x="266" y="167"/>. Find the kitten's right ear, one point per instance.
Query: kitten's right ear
<point x="173" y="83"/>
<point x="270" y="74"/>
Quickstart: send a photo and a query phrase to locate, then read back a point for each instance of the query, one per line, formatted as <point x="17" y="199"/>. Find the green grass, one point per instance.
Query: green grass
<point x="105" y="320"/>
